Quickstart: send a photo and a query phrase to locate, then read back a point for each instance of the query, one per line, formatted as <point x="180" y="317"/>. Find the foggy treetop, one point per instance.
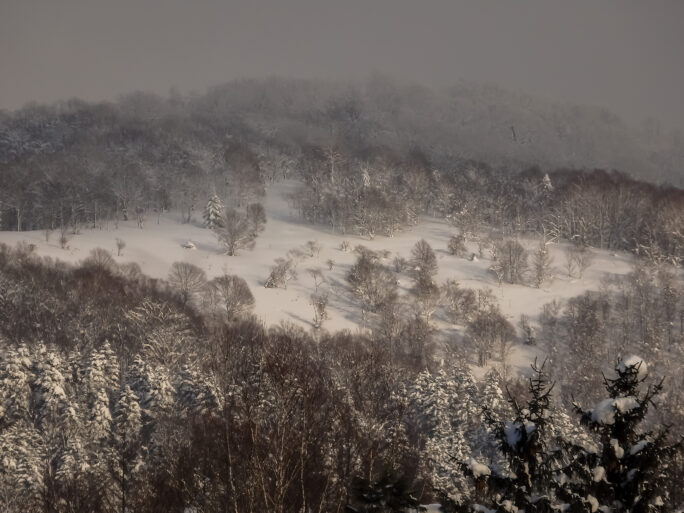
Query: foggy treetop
<point x="463" y="122"/>
<point x="625" y="56"/>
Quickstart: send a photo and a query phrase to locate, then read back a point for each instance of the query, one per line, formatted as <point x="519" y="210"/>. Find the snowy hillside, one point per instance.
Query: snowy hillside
<point x="161" y="242"/>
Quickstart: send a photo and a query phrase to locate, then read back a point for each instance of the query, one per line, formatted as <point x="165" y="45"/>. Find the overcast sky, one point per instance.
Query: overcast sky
<point x="624" y="55"/>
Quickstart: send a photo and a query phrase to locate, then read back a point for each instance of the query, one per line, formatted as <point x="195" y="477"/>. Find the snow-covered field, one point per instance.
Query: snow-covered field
<point x="159" y="244"/>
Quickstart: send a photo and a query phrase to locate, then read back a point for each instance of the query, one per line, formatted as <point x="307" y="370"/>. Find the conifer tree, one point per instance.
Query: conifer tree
<point x="127" y="444"/>
<point x="256" y="215"/>
<point x="527" y="484"/>
<point x="213" y="213"/>
<point x="391" y="493"/>
<point x="541" y="264"/>
<point x="423" y="266"/>
<point x="98" y="384"/>
<point x="152" y="387"/>
<point x="629" y="471"/>
<point x="494" y="407"/>
<point x="15" y="386"/>
<point x="22" y="470"/>
<point x="434" y="401"/>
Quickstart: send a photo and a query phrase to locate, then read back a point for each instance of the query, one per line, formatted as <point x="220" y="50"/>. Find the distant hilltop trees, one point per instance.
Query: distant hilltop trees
<point x="373" y="158"/>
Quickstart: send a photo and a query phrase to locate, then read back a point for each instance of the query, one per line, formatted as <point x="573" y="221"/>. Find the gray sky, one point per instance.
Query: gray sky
<point x="624" y="55"/>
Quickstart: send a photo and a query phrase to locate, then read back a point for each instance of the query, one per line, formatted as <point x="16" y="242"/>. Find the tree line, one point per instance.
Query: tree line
<point x="381" y="193"/>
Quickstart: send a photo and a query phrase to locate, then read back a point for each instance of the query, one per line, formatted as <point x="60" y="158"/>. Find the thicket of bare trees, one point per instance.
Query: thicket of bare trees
<point x="372" y="282"/>
<point x="489" y="332"/>
<point x="423" y="269"/>
<point x="149" y="391"/>
<point x="235" y="233"/>
<point x="541" y="264"/>
<point x="595" y="209"/>
<point x="577" y="260"/>
<point x="456" y="245"/>
<point x="510" y="262"/>
<point x="284" y="270"/>
<point x="231" y="294"/>
<point x="187" y="279"/>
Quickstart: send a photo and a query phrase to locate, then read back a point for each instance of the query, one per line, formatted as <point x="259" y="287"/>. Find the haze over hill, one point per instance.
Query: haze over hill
<point x="623" y="58"/>
<point x="624" y="55"/>
<point x="466" y="121"/>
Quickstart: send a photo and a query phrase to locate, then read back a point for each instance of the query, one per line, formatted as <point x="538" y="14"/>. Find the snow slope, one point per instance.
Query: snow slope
<point x="159" y="244"/>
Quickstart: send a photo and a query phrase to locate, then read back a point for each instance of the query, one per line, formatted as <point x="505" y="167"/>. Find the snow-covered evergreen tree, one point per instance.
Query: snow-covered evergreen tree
<point x="196" y="394"/>
<point x="390" y="493"/>
<point x="628" y="473"/>
<point x="492" y="395"/>
<point x="152" y="387"/>
<point x="527" y="483"/>
<point x="127" y="445"/>
<point x="213" y="212"/>
<point x="22" y="456"/>
<point x="52" y="407"/>
<point x="442" y="403"/>
<point x="98" y="382"/>
<point x="15" y="386"/>
<point x="492" y="406"/>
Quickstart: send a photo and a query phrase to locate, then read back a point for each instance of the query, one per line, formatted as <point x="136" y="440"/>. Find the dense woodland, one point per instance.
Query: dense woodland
<point x="142" y="399"/>
<point x="75" y="164"/>
<point x="169" y="396"/>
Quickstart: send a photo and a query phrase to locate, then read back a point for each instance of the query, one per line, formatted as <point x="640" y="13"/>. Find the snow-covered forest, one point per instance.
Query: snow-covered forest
<point x="301" y="296"/>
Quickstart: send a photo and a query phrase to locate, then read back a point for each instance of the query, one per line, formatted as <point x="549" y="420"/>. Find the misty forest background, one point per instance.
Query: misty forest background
<point x="119" y="393"/>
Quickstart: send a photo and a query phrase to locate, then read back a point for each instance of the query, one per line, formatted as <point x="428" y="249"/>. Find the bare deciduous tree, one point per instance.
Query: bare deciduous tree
<point x="120" y="244"/>
<point x="236" y="232"/>
<point x="461" y="304"/>
<point x="510" y="261"/>
<point x="63" y="237"/>
<point x="577" y="260"/>
<point x="314" y="248"/>
<point x="233" y="293"/>
<point x="487" y="331"/>
<point x="400" y="264"/>
<point x="374" y="284"/>
<point x="101" y="259"/>
<point x="456" y="245"/>
<point x="256" y="216"/>
<point x="283" y="271"/>
<point x="320" y="305"/>
<point x="187" y="279"/>
<point x="423" y="261"/>
<point x="541" y="264"/>
<point x="318" y="278"/>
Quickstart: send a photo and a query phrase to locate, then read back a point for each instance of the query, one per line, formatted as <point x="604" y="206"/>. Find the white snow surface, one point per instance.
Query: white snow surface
<point x="598" y="474"/>
<point x="633" y="361"/>
<point x="508" y="506"/>
<point x="604" y="411"/>
<point x="479" y="508"/>
<point x="512" y="432"/>
<point x="593" y="502"/>
<point x="639" y="446"/>
<point x="619" y="451"/>
<point x="161" y="242"/>
<point x="625" y="404"/>
<point x="478" y="469"/>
